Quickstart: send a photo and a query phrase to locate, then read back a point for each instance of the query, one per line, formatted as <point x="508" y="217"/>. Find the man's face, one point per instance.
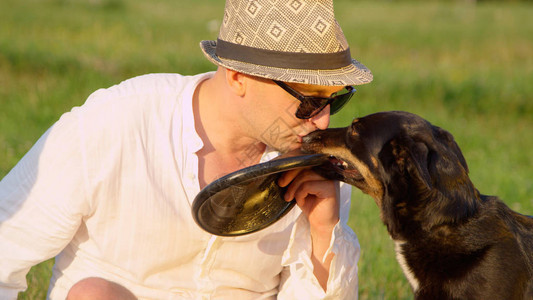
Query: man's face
<point x="274" y="113"/>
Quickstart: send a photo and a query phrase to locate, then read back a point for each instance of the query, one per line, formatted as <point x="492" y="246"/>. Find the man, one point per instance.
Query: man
<point x="108" y="189"/>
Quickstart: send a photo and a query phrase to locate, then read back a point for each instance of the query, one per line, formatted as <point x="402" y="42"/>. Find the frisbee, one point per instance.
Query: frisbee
<point x="248" y="199"/>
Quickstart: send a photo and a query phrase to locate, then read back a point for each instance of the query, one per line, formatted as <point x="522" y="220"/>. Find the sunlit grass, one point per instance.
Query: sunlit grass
<point x="467" y="68"/>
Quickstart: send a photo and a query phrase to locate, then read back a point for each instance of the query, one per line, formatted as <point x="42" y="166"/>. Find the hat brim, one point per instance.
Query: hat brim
<point x="353" y="74"/>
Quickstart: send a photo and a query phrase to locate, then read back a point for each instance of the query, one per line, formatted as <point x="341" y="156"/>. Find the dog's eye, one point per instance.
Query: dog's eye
<point x="354" y="126"/>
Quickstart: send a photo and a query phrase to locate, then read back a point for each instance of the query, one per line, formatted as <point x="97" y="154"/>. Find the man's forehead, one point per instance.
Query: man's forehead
<point x="315" y="89"/>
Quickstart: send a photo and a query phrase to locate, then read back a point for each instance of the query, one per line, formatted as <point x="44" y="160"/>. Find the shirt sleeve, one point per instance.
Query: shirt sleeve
<point x="41" y="204"/>
<point x="297" y="278"/>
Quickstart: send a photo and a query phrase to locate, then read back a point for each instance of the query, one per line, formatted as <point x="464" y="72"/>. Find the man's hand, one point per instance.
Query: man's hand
<point x="315" y="195"/>
<point x="318" y="200"/>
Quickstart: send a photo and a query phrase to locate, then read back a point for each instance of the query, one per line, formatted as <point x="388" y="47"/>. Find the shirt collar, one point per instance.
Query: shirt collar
<point x="194" y="142"/>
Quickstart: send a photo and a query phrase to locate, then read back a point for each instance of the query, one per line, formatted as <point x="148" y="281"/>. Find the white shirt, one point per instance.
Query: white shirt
<point x="108" y="189"/>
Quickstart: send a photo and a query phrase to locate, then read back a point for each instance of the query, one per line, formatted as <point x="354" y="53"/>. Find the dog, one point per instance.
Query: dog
<point x="451" y="241"/>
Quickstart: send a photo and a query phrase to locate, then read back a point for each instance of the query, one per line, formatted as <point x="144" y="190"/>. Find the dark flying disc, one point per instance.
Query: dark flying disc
<point x="249" y="199"/>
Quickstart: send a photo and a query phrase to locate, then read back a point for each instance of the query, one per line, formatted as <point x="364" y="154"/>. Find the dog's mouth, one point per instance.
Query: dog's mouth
<point x="340" y="169"/>
<point x="339" y="164"/>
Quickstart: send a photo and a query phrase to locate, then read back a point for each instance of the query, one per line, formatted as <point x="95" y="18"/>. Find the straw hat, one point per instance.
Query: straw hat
<point x="287" y="40"/>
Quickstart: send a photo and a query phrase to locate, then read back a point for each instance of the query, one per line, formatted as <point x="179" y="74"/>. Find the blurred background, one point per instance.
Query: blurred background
<point x="466" y="66"/>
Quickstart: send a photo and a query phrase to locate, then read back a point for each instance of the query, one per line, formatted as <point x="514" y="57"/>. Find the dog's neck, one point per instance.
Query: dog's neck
<point x="409" y="209"/>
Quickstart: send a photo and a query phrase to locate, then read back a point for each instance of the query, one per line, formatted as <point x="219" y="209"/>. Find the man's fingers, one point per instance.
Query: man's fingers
<point x="306" y="177"/>
<point x="288" y="176"/>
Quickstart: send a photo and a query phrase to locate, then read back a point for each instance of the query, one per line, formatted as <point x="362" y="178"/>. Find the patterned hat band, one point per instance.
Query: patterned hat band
<point x="281" y="59"/>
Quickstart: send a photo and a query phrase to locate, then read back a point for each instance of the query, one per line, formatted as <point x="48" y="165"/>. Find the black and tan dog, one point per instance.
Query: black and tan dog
<point x="451" y="241"/>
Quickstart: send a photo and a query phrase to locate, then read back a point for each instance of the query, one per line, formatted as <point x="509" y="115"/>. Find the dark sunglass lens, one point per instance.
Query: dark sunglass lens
<point x="310" y="107"/>
<point x="340" y="101"/>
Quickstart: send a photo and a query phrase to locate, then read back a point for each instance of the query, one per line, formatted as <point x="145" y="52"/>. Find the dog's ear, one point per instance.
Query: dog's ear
<point x="446" y="138"/>
<point x="412" y="157"/>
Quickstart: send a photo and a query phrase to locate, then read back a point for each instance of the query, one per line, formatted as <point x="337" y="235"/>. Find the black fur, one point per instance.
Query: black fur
<point x="457" y="243"/>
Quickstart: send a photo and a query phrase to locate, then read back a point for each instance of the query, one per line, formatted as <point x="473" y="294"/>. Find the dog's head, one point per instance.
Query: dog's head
<point x="396" y="157"/>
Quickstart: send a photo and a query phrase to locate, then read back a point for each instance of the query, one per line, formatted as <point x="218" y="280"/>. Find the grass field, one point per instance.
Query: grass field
<point x="465" y="67"/>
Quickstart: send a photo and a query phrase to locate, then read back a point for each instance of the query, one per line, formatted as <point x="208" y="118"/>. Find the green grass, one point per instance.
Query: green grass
<point x="467" y="68"/>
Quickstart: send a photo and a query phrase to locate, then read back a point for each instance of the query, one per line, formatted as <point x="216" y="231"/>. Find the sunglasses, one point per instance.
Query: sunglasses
<point x="310" y="106"/>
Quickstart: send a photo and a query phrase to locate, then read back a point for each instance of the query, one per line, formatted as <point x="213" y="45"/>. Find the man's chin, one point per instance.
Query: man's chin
<point x="294" y="147"/>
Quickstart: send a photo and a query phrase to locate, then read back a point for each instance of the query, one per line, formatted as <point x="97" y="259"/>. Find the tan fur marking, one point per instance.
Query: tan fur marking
<point x="375" y="188"/>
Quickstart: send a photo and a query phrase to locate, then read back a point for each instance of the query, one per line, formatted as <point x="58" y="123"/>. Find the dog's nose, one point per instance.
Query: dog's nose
<point x="309" y="142"/>
<point x="311" y="138"/>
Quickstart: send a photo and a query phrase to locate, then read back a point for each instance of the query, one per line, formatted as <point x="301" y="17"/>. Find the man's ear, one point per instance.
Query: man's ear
<point x="237" y="82"/>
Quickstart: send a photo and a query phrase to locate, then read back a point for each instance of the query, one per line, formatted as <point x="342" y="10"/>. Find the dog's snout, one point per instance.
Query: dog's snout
<point x="311" y="142"/>
<point x="311" y="138"/>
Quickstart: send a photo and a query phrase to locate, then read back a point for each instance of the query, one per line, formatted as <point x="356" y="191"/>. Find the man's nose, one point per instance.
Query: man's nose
<point x="321" y="120"/>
